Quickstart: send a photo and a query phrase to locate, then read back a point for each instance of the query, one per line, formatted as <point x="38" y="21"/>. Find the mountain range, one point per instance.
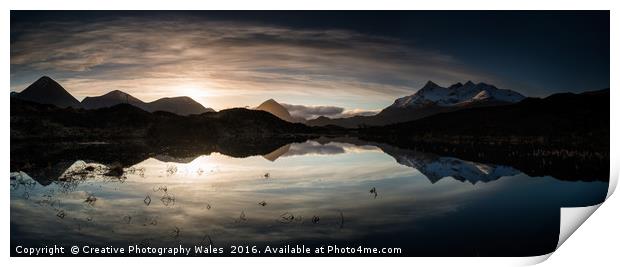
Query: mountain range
<point x="181" y="105"/>
<point x="469" y="109"/>
<point x="556" y="115"/>
<point x="47" y="91"/>
<point x="429" y="100"/>
<point x="561" y="128"/>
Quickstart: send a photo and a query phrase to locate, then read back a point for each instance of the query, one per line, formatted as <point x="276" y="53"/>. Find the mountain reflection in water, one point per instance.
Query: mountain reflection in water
<point x="311" y="193"/>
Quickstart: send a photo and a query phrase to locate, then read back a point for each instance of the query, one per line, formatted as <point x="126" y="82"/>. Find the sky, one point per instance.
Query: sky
<point x="336" y="63"/>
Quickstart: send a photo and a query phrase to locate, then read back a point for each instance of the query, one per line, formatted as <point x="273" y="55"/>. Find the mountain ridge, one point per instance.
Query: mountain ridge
<point x="47" y="91"/>
<point x="456" y="94"/>
<point x="429" y="100"/>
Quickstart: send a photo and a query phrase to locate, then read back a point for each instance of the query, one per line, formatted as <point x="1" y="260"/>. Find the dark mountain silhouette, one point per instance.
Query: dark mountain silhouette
<point x="181" y="105"/>
<point x="47" y="91"/>
<point x="31" y="120"/>
<point x="111" y="99"/>
<point x="429" y="100"/>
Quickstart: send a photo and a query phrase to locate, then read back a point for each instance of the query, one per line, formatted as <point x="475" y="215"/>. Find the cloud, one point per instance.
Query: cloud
<point x="314" y="148"/>
<point x="307" y="112"/>
<point x="358" y="112"/>
<point x="312" y="112"/>
<point x="330" y="148"/>
<point x="235" y="63"/>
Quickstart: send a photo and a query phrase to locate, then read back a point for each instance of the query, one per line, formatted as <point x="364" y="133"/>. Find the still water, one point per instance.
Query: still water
<point x="308" y="193"/>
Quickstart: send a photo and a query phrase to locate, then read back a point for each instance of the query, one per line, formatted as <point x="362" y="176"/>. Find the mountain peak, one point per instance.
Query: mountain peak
<point x="110" y="99"/>
<point x="456" y="95"/>
<point x="430" y="84"/>
<point x="456" y="85"/>
<point x="45" y="78"/>
<point x="47" y="91"/>
<point x="481" y="84"/>
<point x="117" y="92"/>
<point x="276" y="109"/>
<point x="270" y="101"/>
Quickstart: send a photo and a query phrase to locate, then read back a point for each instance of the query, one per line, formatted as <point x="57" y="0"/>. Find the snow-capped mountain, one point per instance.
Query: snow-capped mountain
<point x="456" y="95"/>
<point x="429" y="100"/>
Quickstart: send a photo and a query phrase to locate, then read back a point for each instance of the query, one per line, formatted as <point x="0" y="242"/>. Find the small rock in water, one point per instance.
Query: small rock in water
<point x="286" y="217"/>
<point x="374" y="191"/>
<point x="61" y="214"/>
<point x="242" y="217"/>
<point x="91" y="199"/>
<point x="167" y="199"/>
<point x="147" y="200"/>
<point x="176" y="232"/>
<point x="127" y="219"/>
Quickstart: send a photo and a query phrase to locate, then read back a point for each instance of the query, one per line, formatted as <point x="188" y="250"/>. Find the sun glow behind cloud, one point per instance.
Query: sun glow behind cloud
<point x="226" y="64"/>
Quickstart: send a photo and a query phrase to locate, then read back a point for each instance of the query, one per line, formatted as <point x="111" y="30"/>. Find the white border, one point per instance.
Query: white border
<point x="595" y="243"/>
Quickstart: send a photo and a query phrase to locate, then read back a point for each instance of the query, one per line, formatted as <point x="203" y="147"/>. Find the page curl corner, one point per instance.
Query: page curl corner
<point x="571" y="218"/>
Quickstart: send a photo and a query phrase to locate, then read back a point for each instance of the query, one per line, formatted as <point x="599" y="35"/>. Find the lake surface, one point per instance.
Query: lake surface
<point x="310" y="193"/>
